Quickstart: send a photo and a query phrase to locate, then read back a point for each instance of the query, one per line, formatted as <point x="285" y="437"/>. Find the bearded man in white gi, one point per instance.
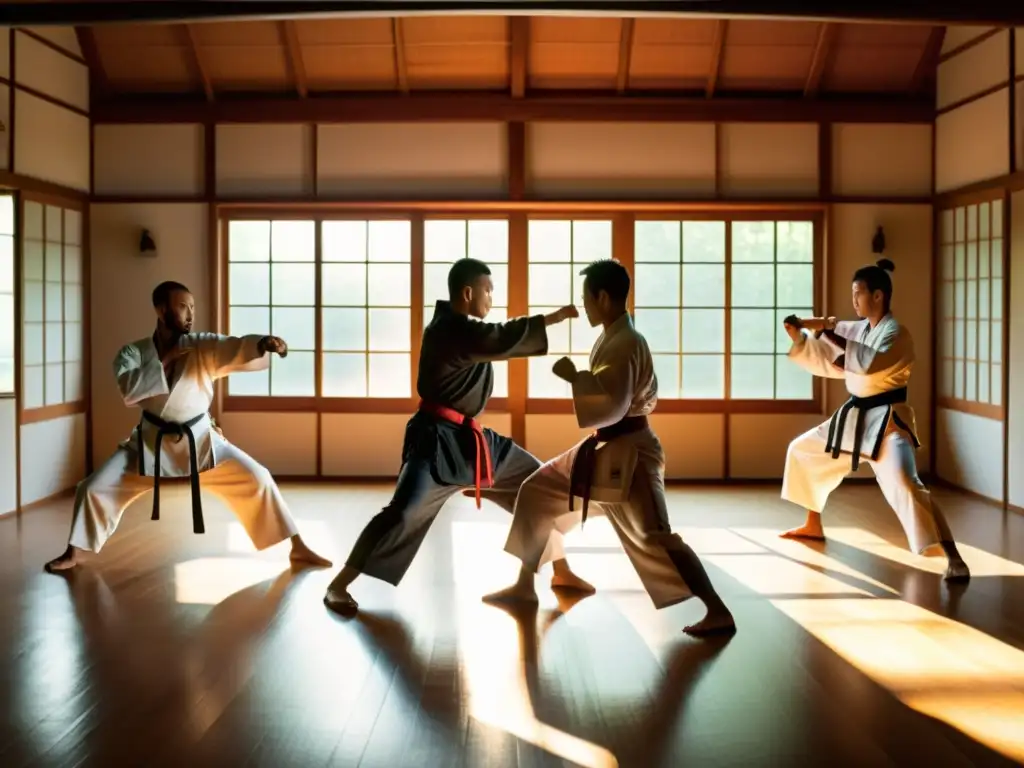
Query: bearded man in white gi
<point x="170" y="376"/>
<point x="874" y="355"/>
<point x="618" y="472"/>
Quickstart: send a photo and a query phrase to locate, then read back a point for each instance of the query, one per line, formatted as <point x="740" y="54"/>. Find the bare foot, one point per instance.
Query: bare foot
<point x="712" y="624"/>
<point x="957" y="571"/>
<point x="63" y="563"/>
<point x="517" y="593"/>
<point x="340" y="601"/>
<point x="808" y="532"/>
<point x="302" y="554"/>
<point x="569" y="580"/>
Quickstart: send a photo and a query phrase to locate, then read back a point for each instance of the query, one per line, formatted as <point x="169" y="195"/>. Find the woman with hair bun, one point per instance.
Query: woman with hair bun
<point x="874" y="355"/>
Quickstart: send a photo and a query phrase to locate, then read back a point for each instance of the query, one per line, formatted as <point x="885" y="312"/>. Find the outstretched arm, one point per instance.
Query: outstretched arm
<point x="135" y="380"/>
<point x="224" y="355"/>
<point x="602" y="396"/>
<point x="815" y="355"/>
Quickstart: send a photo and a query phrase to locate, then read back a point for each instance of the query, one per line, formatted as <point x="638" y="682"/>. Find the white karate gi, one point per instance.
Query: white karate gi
<point x="878" y="360"/>
<point x="620" y="383"/>
<point x="225" y="470"/>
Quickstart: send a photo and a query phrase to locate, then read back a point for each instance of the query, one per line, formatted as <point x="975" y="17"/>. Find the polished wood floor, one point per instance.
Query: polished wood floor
<point x="171" y="649"/>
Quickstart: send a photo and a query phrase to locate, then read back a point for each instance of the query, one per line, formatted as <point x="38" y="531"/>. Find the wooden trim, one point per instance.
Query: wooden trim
<point x="11" y="101"/>
<point x="954" y="52"/>
<point x="371" y="405"/>
<point x="822" y="58"/>
<point x="15" y="86"/>
<point x="98" y="81"/>
<point x="54" y="47"/>
<point x="980" y="191"/>
<point x="461" y="107"/>
<point x="992" y="89"/>
<point x="929" y="61"/>
<point x="1007" y="264"/>
<point x="32" y="505"/>
<point x="191" y="42"/>
<point x="19" y="325"/>
<point x="625" y="54"/>
<point x="45" y="190"/>
<point x="717" y="47"/>
<point x="49" y="412"/>
<point x="518" y="306"/>
<point x="551" y="406"/>
<point x="417" y="298"/>
<point x="401" y="69"/>
<point x="985" y="410"/>
<point x="293" y="52"/>
<point x="518" y="56"/>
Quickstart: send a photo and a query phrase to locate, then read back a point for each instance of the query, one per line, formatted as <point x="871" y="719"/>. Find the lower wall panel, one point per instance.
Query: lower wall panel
<point x="8" y="456"/>
<point x="285" y="443"/>
<point x="969" y="452"/>
<point x="62" y="444"/>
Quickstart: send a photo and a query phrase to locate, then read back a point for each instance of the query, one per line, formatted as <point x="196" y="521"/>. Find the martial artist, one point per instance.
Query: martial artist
<point x="614" y="398"/>
<point x="874" y="355"/>
<point x="169" y="377"/>
<point x="445" y="448"/>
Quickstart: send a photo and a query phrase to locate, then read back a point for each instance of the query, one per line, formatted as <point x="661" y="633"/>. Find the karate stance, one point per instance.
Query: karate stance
<point x="170" y="377"/>
<point x="445" y="448"/>
<point x="874" y="355"/>
<point x="614" y="397"/>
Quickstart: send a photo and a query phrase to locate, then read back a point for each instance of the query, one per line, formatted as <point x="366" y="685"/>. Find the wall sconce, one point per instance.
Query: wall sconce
<point x="146" y="244"/>
<point x="878" y="241"/>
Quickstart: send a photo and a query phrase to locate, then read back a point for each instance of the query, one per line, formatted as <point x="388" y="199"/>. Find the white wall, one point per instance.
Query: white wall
<point x="50" y="97"/>
<point x="575" y="161"/>
<point x="1015" y="392"/>
<point x="8" y="456"/>
<point x="973" y="146"/>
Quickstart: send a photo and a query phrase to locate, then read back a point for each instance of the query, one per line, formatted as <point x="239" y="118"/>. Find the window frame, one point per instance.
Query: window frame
<point x="57" y="410"/>
<point x="966" y="200"/>
<point x="13" y="393"/>
<point x="518" y="214"/>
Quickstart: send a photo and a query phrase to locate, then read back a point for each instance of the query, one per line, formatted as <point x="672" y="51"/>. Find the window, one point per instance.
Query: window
<point x="364" y="316"/>
<point x="558" y="250"/>
<point x="272" y="290"/>
<point x="971" y="307"/>
<point x="7" y="319"/>
<point x="445" y="241"/>
<point x="709" y="298"/>
<point x="52" y="291"/>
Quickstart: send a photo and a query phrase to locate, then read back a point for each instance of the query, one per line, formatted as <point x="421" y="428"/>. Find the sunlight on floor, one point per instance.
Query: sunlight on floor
<point x="934" y="665"/>
<point x="316" y="533"/>
<point x="211" y="580"/>
<point x="775" y="575"/>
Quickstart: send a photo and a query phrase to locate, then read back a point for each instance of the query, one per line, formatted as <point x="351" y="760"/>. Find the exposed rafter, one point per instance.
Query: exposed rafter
<point x="401" y="68"/>
<point x="293" y="51"/>
<point x="192" y="42"/>
<point x="518" y="54"/>
<point x="717" y="47"/>
<point x="929" y="61"/>
<point x="625" y="53"/>
<point x="90" y="52"/>
<point x="819" y="62"/>
<point x="462" y="107"/>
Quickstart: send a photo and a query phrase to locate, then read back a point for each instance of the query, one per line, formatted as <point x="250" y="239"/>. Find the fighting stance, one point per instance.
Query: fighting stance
<point x="445" y="448"/>
<point x="874" y="355"/>
<point x="614" y="397"/>
<point x="170" y="377"/>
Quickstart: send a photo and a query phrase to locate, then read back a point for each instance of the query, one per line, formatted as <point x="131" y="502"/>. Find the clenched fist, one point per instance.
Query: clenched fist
<point x="274" y="345"/>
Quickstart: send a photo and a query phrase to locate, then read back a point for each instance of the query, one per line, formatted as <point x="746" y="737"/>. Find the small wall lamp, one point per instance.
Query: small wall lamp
<point x="146" y="244"/>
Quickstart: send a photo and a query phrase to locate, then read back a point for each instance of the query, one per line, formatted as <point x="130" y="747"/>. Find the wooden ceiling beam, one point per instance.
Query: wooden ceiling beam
<point x="717" y="48"/>
<point x="401" y="67"/>
<point x="293" y="52"/>
<point x="819" y="62"/>
<point x="463" y="107"/>
<point x="518" y="54"/>
<point x="196" y="56"/>
<point x="99" y="82"/>
<point x="625" y="54"/>
<point x="928" y="64"/>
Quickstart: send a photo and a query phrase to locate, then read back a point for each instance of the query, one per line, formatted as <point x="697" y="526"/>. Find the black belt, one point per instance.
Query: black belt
<point x="581" y="476"/>
<point x="179" y="429"/>
<point x="837" y="425"/>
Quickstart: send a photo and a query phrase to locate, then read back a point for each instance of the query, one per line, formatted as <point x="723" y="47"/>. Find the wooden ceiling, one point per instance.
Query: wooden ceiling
<point x="512" y="54"/>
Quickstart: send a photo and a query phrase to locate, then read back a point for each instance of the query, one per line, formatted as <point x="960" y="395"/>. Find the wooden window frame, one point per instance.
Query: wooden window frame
<point x="951" y="402"/>
<point x="517" y="213"/>
<point x="15" y="292"/>
<point x="57" y="410"/>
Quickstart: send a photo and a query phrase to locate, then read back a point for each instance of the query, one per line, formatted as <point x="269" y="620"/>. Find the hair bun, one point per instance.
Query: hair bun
<point x="887" y="265"/>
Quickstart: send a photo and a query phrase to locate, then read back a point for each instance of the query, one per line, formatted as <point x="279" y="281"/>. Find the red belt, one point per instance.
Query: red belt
<point x="483" y="451"/>
<point x="581" y="475"/>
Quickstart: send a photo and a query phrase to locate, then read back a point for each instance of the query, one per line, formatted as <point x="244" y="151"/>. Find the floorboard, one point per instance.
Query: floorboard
<point x="171" y="649"/>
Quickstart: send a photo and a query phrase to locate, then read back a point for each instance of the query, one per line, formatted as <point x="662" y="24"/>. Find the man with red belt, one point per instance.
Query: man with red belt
<point x="445" y="449"/>
<point x="618" y="472"/>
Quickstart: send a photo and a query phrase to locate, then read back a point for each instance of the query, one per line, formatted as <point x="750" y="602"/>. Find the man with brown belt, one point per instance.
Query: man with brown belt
<point x="620" y="468"/>
<point x="445" y="449"/>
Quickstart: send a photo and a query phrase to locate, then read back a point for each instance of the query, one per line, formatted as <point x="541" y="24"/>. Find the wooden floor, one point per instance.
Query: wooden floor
<point x="171" y="649"/>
